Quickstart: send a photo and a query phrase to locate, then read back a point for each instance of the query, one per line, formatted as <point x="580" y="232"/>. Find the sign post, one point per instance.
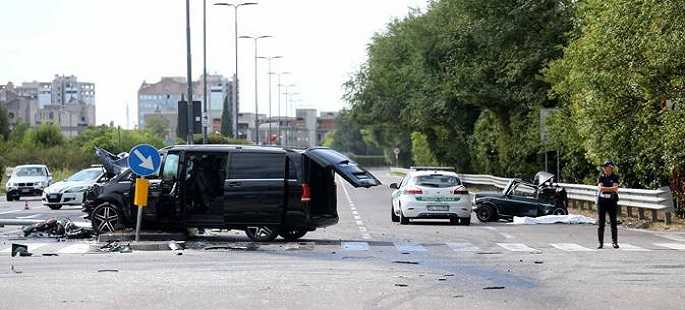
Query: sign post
<point x="396" y="150"/>
<point x="144" y="160"/>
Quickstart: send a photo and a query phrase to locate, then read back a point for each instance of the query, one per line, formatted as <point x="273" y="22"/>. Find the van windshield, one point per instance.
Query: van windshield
<point x="30" y="172"/>
<point x="437" y="180"/>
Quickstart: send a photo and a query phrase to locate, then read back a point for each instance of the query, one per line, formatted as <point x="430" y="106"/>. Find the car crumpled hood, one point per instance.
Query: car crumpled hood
<point x="64" y="185"/>
<point x="32" y="179"/>
<point x="113" y="164"/>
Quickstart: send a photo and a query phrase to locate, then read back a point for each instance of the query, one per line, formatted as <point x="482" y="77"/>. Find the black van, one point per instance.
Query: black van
<point x="265" y="191"/>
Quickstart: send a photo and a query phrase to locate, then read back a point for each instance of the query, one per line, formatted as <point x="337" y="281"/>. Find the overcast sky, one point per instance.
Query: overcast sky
<point x="119" y="44"/>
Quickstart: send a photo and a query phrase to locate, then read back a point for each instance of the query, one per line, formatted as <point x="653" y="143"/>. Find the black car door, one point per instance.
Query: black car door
<point x="521" y="201"/>
<point x="346" y="168"/>
<point x="254" y="192"/>
<point x="202" y="188"/>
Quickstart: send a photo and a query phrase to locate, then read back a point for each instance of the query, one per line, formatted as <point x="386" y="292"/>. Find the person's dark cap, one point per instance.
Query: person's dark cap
<point x="608" y="163"/>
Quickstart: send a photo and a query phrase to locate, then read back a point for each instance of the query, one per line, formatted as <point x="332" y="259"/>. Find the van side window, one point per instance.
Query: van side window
<point x="170" y="167"/>
<point x="257" y="166"/>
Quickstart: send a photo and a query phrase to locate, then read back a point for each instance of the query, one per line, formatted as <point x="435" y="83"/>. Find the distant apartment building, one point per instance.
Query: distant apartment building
<point x="64" y="101"/>
<point x="161" y="98"/>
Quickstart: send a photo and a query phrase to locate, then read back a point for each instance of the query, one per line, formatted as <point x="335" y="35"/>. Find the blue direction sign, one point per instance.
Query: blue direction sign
<point x="144" y="160"/>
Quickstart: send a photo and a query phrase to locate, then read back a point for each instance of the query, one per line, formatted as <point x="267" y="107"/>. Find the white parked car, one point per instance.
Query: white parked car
<point x="70" y="191"/>
<point x="27" y="180"/>
<point x="432" y="194"/>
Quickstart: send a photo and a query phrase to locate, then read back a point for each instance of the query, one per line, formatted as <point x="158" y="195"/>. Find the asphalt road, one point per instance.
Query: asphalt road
<point x="364" y="262"/>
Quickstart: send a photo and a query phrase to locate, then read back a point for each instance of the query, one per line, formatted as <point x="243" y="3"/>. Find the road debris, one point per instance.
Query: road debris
<point x="401" y="285"/>
<point x="494" y="288"/>
<point x="405" y="262"/>
<point x="58" y="228"/>
<point x="176" y="246"/>
<point x="50" y="254"/>
<point x="113" y="246"/>
<point x="108" y="270"/>
<point x="538" y="262"/>
<point x="20" y="249"/>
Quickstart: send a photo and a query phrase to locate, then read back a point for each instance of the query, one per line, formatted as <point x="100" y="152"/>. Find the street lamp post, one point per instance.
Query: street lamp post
<point x="236" y="109"/>
<point x="204" y="72"/>
<point x="256" y="81"/>
<point x="269" y="59"/>
<point x="189" y="136"/>
<point x="280" y="134"/>
<point x="287" y="122"/>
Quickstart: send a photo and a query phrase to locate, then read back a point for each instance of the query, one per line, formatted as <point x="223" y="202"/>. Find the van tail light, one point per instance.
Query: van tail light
<point x="306" y="193"/>
<point x="413" y="190"/>
<point x="460" y="191"/>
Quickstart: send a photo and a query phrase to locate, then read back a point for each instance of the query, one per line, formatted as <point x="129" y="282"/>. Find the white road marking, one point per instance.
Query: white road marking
<point x="360" y="223"/>
<point x="672" y="237"/>
<point x="366" y="236"/>
<point x="32" y="247"/>
<point x="409" y="247"/>
<point x="357" y="217"/>
<point x="353" y="208"/>
<point x="355" y="212"/>
<point x="516" y="247"/>
<point x="29" y="216"/>
<point x="8" y="212"/>
<point x="674" y="246"/>
<point x="362" y="228"/>
<point x="79" y="248"/>
<point x="571" y="247"/>
<point x="462" y="247"/>
<point x="630" y="247"/>
<point x="507" y="236"/>
<point x="355" y="246"/>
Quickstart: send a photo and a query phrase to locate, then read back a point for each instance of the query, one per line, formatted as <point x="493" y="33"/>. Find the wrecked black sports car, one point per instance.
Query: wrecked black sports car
<point x="520" y="198"/>
<point x="265" y="191"/>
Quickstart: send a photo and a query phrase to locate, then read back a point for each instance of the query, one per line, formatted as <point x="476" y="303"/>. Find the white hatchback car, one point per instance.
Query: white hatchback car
<point x="70" y="191"/>
<point x="431" y="195"/>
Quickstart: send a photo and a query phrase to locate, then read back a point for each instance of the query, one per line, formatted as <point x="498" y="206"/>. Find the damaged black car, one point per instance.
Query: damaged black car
<point x="519" y="198"/>
<point x="265" y="191"/>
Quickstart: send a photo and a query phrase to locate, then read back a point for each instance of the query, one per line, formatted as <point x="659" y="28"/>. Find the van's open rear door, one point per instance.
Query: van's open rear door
<point x="348" y="169"/>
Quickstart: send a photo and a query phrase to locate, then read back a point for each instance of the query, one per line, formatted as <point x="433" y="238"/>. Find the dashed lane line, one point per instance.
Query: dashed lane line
<point x="355" y="246"/>
<point x="517" y="247"/>
<point x="462" y="247"/>
<point x="630" y="247"/>
<point x="409" y="247"/>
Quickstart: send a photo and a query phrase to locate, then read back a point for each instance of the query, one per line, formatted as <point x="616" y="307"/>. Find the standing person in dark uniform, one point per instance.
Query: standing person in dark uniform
<point x="607" y="202"/>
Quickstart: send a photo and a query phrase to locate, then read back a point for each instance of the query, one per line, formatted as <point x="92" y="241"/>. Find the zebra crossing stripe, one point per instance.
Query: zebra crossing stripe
<point x="32" y="247"/>
<point x="355" y="246"/>
<point x="630" y="247"/>
<point x="571" y="247"/>
<point x="79" y="248"/>
<point x="462" y="247"/>
<point x="409" y="247"/>
<point x="674" y="246"/>
<point x="516" y="247"/>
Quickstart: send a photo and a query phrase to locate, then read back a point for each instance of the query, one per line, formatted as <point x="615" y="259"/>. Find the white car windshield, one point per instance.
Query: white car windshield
<point x="30" y="172"/>
<point x="437" y="180"/>
<point x="85" y="175"/>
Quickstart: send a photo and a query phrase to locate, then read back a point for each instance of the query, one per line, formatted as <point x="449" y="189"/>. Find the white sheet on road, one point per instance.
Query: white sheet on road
<point x="554" y="219"/>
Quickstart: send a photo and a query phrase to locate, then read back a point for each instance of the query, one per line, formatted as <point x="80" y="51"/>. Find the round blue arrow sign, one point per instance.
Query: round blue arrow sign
<point x="144" y="160"/>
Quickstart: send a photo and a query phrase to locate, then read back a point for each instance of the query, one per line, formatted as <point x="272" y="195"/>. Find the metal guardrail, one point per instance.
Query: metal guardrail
<point x="655" y="200"/>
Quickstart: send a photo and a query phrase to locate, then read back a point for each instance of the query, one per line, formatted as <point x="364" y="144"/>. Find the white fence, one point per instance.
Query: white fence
<point x="586" y="195"/>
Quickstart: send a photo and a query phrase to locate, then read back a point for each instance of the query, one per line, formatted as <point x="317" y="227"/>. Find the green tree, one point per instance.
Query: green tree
<point x="157" y="125"/>
<point x="626" y="57"/>
<point x="45" y="135"/>
<point x="422" y="154"/>
<point x="226" y="119"/>
<point x="4" y="123"/>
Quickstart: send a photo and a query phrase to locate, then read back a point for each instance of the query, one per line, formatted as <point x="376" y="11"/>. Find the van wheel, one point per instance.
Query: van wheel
<point x="261" y="233"/>
<point x="55" y="207"/>
<point x="465" y="221"/>
<point x="9" y="197"/>
<point x="394" y="218"/>
<point x="293" y="234"/>
<point x="106" y="218"/>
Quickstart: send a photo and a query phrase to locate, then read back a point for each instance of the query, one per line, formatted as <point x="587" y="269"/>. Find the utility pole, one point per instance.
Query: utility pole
<point x="269" y="59"/>
<point x="205" y="113"/>
<point x="256" y="82"/>
<point x="189" y="138"/>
